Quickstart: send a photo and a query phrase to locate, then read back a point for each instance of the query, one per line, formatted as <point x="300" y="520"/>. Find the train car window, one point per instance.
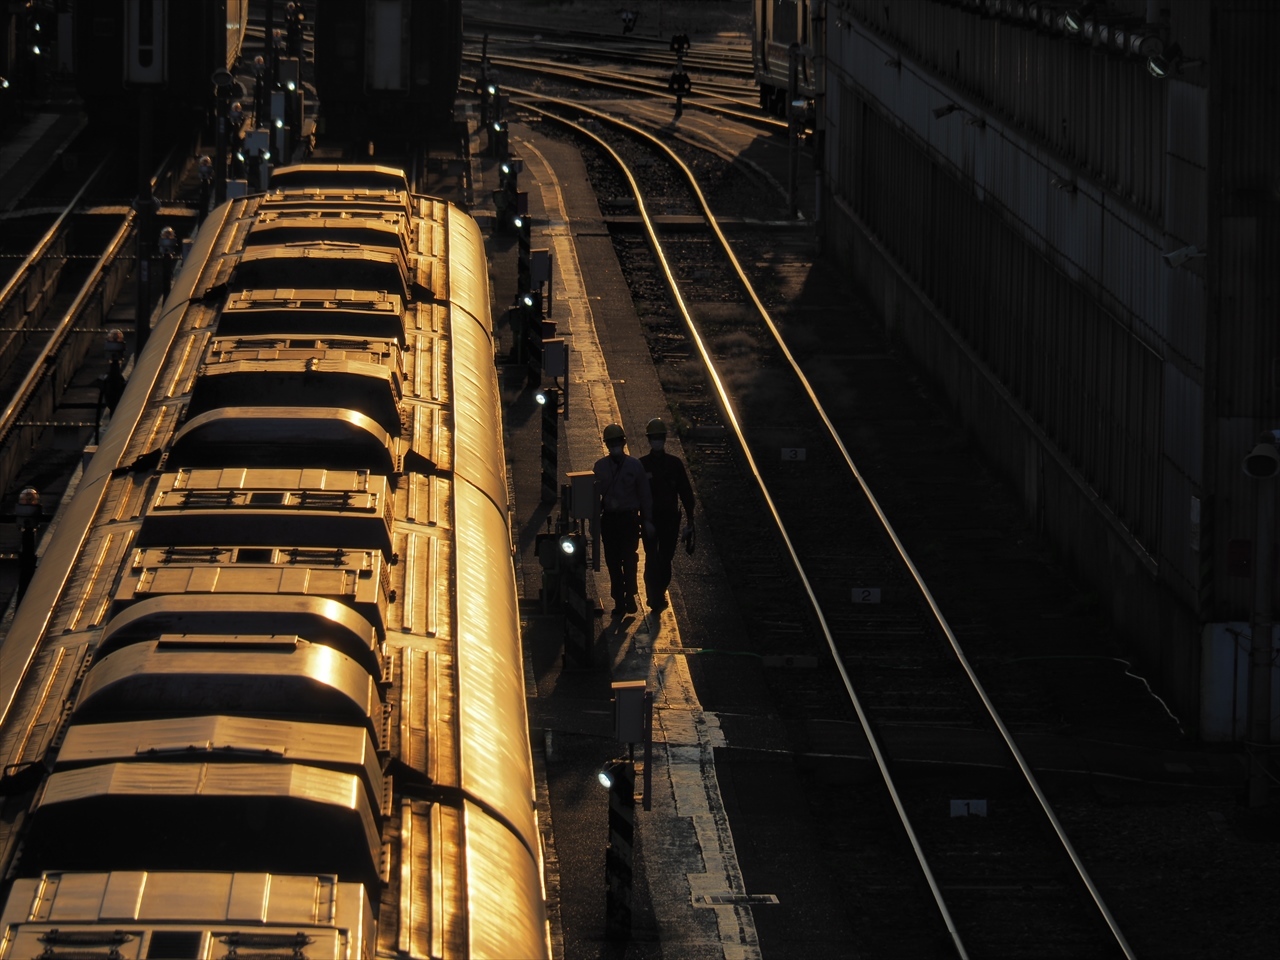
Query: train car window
<point x="785" y="20"/>
<point x="266" y="497"/>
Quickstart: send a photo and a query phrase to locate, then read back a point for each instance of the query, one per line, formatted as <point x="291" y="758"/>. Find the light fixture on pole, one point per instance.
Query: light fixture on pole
<point x="1262" y="464"/>
<point x="1171" y="62"/>
<point x="970" y="118"/>
<point x="1177" y="258"/>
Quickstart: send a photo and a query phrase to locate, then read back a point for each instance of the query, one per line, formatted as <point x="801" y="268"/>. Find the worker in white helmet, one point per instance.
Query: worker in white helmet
<point x="670" y="488"/>
<point x="626" y="513"/>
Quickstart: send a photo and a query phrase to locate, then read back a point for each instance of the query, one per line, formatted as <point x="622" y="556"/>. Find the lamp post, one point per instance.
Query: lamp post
<point x="29" y="516"/>
<point x="111" y="385"/>
<point x="1262" y="464"/>
<point x="222" y="89"/>
<point x="619" y="777"/>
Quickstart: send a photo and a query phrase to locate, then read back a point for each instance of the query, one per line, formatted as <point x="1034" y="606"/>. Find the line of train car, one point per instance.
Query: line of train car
<point x="387" y="65"/>
<point x="777" y="25"/>
<point x="174" y="46"/>
<point x="264" y="696"/>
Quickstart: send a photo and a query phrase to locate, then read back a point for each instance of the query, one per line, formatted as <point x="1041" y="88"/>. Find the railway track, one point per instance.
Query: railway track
<point x="722" y="87"/>
<point x="728" y="64"/>
<point x="999" y="876"/>
<point x="733" y="101"/>
<point x="55" y="307"/>
<point x="725" y="56"/>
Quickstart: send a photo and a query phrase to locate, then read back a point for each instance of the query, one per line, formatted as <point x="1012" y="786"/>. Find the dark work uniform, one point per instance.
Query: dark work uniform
<point x="625" y="503"/>
<point x="669" y="484"/>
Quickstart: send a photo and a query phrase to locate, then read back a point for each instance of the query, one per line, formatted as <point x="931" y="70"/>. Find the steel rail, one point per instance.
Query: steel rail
<point x="939" y="617"/>
<point x="635" y="85"/>
<point x="731" y="415"/>
<point x="717" y="89"/>
<point x="731" y="63"/>
<point x="11" y="681"/>
<point x="60" y="332"/>
<point x="628" y="44"/>
<point x="46" y="241"/>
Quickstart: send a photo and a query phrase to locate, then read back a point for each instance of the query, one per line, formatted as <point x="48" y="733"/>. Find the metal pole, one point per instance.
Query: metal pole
<point x="146" y="213"/>
<point x="534" y="340"/>
<point x="524" y="240"/>
<point x="29" y="515"/>
<point x="222" y="96"/>
<point x="648" y="749"/>
<point x="273" y="74"/>
<point x="578" y="621"/>
<point x="1260" y="646"/>
<point x="618" y="861"/>
<point x="793" y="143"/>
<point x="550" y="444"/>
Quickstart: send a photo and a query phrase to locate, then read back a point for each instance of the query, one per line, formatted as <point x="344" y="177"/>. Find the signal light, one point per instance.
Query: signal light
<point x="610" y="773"/>
<point x="573" y="552"/>
<point x="498" y="138"/>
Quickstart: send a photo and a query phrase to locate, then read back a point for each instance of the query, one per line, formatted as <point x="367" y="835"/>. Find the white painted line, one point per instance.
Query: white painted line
<point x="688" y="734"/>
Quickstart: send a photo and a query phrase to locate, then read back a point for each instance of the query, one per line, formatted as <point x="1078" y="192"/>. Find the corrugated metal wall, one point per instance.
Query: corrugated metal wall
<point x="1243" y="216"/>
<point x="1088" y="105"/>
<point x="1017" y="265"/>
<point x="997" y="181"/>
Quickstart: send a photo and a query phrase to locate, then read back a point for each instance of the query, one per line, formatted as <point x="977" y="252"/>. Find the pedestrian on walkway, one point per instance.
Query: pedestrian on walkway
<point x="260" y="92"/>
<point x="235" y="139"/>
<point x="206" y="188"/>
<point x="293" y="20"/>
<point x="626" y="512"/>
<point x="670" y="488"/>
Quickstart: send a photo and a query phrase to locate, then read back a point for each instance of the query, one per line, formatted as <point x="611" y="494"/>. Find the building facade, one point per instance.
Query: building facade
<point x="1068" y="214"/>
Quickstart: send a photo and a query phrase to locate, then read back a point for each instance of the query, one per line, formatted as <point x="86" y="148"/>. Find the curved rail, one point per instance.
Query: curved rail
<point x="733" y="61"/>
<point x="653" y="88"/>
<point x="41" y="365"/>
<point x="622" y="45"/>
<point x="42" y="246"/>
<point x="727" y="406"/>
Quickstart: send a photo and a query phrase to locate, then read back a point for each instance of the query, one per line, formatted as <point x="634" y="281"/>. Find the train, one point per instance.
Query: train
<point x="264" y="695"/>
<point x="777" y="25"/>
<point x="387" y="65"/>
<point x="172" y="47"/>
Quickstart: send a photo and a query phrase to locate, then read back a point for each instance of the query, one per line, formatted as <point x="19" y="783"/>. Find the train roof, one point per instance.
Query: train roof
<point x="332" y="176"/>
<point x="296" y="520"/>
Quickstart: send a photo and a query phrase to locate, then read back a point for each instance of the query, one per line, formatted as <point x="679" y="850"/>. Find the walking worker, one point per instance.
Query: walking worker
<point x="626" y="511"/>
<point x="293" y="19"/>
<point x="206" y="187"/>
<point x="259" y="92"/>
<point x="670" y="488"/>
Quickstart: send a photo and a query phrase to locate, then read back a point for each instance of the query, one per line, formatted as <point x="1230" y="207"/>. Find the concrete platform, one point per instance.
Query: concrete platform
<point x="30" y="148"/>
<point x="723" y="858"/>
